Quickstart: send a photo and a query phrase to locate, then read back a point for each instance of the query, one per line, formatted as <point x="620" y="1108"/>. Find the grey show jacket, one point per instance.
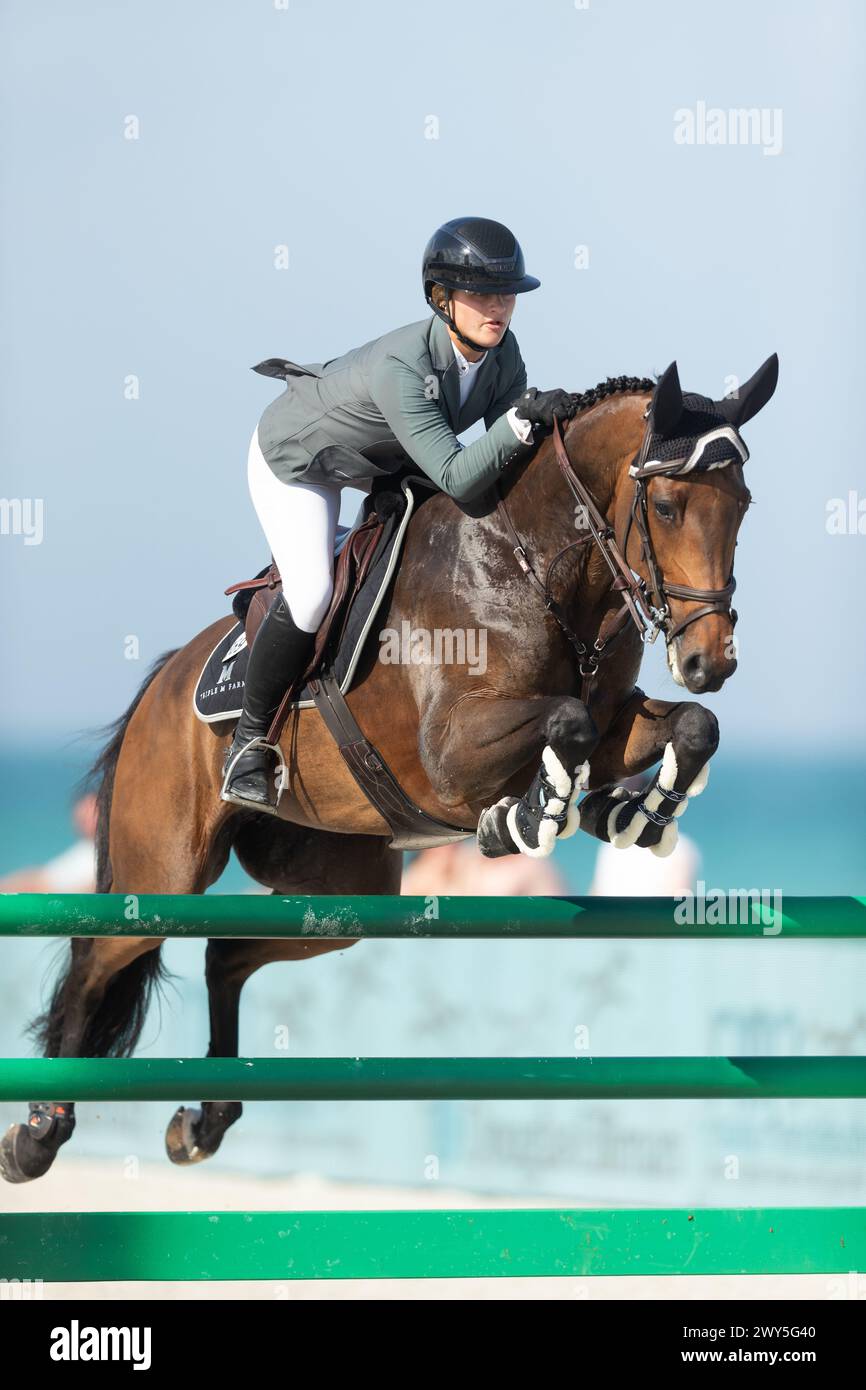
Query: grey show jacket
<point x="360" y="415"/>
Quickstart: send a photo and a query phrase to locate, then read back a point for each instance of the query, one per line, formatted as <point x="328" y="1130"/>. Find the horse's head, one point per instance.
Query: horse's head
<point x="684" y="513"/>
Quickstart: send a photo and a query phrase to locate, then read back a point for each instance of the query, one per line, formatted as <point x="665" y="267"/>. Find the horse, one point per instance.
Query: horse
<point x="612" y="532"/>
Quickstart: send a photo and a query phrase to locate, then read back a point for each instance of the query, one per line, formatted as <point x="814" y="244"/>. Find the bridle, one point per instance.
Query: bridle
<point x="646" y="603"/>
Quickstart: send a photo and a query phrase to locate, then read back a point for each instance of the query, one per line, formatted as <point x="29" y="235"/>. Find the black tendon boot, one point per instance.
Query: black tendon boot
<point x="279" y="653"/>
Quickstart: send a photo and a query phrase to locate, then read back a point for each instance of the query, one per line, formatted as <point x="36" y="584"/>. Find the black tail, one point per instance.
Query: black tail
<point x="114" y="1028"/>
<point x="116" y="1025"/>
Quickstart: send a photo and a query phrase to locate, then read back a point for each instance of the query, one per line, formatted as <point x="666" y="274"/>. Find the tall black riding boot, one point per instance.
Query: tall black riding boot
<point x="279" y="653"/>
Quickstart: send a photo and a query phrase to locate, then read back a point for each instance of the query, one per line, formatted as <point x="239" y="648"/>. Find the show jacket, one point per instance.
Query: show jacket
<point x="397" y="395"/>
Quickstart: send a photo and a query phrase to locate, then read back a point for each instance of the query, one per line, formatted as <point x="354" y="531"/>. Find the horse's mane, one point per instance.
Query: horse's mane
<point x="613" y="386"/>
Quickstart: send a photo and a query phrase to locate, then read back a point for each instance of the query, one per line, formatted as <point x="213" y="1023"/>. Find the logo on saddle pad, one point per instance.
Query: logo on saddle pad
<point x="229" y="659"/>
<point x="237" y="646"/>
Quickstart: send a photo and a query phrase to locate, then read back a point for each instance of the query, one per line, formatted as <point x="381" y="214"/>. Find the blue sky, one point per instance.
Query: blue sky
<point x="307" y="127"/>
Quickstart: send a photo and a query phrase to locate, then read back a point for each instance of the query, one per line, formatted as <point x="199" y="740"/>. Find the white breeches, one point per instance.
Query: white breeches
<point x="300" y="523"/>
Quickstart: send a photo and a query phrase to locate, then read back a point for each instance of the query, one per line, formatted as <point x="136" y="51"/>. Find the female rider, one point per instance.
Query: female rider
<point x="346" y="421"/>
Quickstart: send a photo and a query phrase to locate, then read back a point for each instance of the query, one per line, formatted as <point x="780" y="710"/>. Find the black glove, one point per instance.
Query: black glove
<point x="539" y="408"/>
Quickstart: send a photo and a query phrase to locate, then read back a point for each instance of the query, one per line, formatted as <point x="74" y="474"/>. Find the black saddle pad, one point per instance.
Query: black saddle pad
<point x="219" y="690"/>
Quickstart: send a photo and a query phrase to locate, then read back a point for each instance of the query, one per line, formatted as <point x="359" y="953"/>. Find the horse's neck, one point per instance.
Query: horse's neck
<point x="600" y="445"/>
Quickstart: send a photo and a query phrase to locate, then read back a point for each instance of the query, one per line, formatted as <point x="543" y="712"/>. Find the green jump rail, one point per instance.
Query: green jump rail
<point x="485" y="1242"/>
<point x="259" y="915"/>
<point x="478" y="1243"/>
<point x="433" y="1078"/>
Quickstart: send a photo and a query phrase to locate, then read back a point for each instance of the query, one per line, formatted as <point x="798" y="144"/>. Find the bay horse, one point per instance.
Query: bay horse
<point x="611" y="532"/>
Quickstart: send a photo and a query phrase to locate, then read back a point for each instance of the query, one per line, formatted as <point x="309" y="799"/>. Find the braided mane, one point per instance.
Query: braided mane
<point x="614" y="385"/>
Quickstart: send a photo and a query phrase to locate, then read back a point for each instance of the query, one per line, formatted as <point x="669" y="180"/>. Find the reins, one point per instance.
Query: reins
<point x="645" y="604"/>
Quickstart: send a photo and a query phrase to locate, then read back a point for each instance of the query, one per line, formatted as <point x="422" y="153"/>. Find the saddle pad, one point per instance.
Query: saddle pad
<point x="219" y="690"/>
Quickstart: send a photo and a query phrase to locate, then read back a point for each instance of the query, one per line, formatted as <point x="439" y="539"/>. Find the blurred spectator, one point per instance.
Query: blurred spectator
<point x="73" y="871"/>
<point x="638" y="873"/>
<point x="461" y="869"/>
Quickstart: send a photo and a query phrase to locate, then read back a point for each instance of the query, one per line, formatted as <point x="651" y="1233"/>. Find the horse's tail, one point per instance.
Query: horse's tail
<point x="115" y="1028"/>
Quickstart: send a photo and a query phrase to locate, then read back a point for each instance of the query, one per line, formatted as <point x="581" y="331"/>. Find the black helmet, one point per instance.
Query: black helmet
<point x="473" y="253"/>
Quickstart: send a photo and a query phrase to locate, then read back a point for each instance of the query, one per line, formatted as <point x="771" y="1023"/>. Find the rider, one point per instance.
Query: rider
<point x="348" y="420"/>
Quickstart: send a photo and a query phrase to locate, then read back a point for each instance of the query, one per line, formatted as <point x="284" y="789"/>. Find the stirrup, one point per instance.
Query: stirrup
<point x="281" y="781"/>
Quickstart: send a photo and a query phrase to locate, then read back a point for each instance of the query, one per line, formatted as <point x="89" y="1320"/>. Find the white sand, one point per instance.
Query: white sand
<point x="91" y="1185"/>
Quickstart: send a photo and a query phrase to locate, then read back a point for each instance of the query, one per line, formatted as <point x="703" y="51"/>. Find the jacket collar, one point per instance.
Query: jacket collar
<point x="445" y="366"/>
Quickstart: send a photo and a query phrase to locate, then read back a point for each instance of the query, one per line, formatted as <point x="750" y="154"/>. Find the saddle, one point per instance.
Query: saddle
<point x="365" y="560"/>
<point x="355" y="551"/>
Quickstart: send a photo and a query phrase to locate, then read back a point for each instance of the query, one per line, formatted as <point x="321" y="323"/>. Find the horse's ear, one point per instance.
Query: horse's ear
<point x="667" y="402"/>
<point x="752" y="396"/>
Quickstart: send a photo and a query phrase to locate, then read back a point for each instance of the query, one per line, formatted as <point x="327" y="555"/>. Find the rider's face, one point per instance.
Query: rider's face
<point x="482" y="317"/>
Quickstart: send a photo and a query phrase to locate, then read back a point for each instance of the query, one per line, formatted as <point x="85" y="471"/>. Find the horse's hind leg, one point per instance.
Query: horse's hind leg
<point x="289" y="859"/>
<point x="96" y="1010"/>
<point x="99" y="1004"/>
<point x="196" y="1132"/>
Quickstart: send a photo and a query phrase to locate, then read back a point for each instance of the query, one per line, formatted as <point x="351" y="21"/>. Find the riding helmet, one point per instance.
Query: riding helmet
<point x="474" y="253"/>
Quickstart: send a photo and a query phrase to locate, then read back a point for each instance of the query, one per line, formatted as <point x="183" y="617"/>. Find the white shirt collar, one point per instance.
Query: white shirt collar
<point x="463" y="363"/>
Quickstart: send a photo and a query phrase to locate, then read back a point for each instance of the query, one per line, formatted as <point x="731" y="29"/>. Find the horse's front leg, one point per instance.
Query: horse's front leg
<point x="684" y="735"/>
<point x="478" y="747"/>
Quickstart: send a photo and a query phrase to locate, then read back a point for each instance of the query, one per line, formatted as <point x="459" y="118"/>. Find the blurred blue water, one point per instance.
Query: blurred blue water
<point x="798" y="825"/>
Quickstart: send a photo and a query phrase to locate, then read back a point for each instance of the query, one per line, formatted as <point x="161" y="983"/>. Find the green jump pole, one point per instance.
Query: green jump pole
<point x="734" y="917"/>
<point x="432" y="1078"/>
<point x="218" y="1245"/>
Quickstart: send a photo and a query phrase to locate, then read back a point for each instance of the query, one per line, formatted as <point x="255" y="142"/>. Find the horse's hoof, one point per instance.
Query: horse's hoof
<point x="533" y="832"/>
<point x="194" y="1135"/>
<point x="180" y="1144"/>
<point x="23" y="1158"/>
<point x="492" y="834"/>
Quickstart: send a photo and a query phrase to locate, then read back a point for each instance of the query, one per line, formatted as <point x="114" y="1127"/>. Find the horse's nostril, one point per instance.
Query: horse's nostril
<point x="694" y="669"/>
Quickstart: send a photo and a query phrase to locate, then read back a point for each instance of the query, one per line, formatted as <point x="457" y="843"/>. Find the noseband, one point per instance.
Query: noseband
<point x="645" y="603"/>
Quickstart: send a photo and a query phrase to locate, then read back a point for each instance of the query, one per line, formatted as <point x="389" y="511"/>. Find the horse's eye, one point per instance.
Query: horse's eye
<point x="664" y="510"/>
